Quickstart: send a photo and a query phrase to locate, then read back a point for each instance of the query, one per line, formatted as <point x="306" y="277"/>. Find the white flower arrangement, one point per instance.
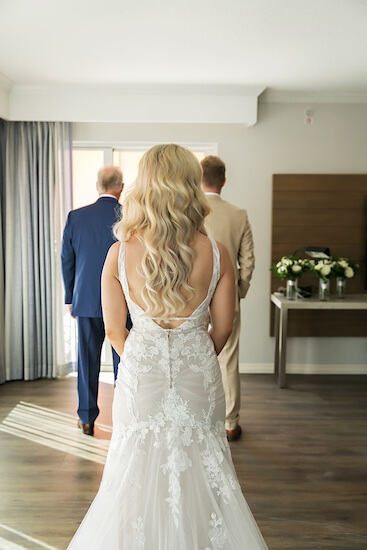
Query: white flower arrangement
<point x="334" y="267"/>
<point x="290" y="268"/>
<point x="331" y="268"/>
<point x="323" y="268"/>
<point x="345" y="268"/>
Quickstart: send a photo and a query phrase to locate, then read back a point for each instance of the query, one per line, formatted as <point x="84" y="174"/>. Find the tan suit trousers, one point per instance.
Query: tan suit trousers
<point x="228" y="360"/>
<point x="230" y="225"/>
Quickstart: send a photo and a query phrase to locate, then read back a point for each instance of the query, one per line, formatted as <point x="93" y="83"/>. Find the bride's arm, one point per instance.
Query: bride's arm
<point x="223" y="302"/>
<point x="113" y="301"/>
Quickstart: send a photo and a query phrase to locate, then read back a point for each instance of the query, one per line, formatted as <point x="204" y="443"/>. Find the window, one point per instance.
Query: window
<point x="86" y="163"/>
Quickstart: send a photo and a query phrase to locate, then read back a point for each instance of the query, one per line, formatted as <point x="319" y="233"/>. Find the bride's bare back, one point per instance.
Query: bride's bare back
<point x="199" y="279"/>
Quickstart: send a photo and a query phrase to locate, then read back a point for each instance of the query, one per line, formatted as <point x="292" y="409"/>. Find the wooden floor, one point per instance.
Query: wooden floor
<point x="302" y="462"/>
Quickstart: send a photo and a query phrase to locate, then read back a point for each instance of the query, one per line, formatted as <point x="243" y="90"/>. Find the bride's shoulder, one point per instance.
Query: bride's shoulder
<point x="135" y="245"/>
<point x="205" y="244"/>
<point x="201" y="241"/>
<point x="114" y="250"/>
<point x="207" y="241"/>
<point x="222" y="248"/>
<point x="112" y="258"/>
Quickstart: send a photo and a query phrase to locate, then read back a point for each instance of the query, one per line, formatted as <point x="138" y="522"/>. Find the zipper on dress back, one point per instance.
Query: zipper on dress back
<point x="168" y="332"/>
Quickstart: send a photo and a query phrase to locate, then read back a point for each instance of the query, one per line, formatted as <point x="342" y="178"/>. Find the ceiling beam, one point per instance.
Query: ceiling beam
<point x="141" y="103"/>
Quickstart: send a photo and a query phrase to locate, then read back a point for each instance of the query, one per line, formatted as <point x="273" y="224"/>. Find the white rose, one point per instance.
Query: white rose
<point x="325" y="270"/>
<point x="349" y="272"/>
<point x="343" y="263"/>
<point x="296" y="268"/>
<point x="287" y="262"/>
<point x="282" y="269"/>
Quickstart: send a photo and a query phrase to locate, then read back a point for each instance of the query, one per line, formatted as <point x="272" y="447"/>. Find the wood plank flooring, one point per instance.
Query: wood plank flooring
<point x="302" y="462"/>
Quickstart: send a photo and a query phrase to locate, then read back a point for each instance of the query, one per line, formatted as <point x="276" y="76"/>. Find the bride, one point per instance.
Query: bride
<point x="169" y="481"/>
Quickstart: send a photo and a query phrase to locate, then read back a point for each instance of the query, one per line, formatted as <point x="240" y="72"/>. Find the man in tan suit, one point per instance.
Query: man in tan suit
<point x="229" y="225"/>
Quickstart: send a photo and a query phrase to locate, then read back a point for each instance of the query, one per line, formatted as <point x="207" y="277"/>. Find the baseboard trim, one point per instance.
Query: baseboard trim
<point x="268" y="368"/>
<point x="260" y="368"/>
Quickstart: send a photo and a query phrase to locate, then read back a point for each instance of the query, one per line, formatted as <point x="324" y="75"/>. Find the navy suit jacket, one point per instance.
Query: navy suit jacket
<point x="86" y="241"/>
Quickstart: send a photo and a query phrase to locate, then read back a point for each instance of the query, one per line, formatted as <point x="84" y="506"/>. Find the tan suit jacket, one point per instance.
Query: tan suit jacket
<point x="229" y="225"/>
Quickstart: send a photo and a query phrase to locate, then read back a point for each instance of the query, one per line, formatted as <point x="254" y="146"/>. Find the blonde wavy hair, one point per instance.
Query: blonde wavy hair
<point x="164" y="209"/>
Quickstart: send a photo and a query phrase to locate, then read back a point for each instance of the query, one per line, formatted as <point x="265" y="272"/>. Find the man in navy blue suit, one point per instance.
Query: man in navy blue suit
<point x="86" y="241"/>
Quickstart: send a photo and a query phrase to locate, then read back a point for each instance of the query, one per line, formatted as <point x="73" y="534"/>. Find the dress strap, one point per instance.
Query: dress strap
<point x="216" y="267"/>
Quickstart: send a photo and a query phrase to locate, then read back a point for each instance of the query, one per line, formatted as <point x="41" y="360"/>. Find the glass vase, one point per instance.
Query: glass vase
<point x="291" y="289"/>
<point x="340" y="287"/>
<point x="324" y="290"/>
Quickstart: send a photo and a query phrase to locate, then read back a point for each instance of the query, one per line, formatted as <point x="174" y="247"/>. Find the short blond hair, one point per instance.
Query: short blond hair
<point x="214" y="172"/>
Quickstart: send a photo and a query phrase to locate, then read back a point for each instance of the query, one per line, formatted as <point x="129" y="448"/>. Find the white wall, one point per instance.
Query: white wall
<point x="279" y="143"/>
<point x="5" y="89"/>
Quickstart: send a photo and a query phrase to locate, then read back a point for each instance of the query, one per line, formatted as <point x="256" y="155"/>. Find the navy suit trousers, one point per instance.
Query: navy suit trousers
<point x="91" y="334"/>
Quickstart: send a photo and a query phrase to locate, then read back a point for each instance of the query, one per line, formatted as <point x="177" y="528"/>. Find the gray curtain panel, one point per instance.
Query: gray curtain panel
<point x="37" y="180"/>
<point x="2" y="290"/>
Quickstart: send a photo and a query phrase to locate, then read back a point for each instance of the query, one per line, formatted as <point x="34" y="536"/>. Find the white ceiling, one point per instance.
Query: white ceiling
<point x="293" y="46"/>
<point x="285" y="44"/>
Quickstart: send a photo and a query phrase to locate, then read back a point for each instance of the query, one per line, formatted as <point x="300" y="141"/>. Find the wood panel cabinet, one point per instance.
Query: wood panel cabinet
<point x="321" y="210"/>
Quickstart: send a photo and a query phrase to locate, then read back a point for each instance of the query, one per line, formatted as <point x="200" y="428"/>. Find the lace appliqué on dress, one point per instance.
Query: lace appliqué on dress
<point x="139" y="537"/>
<point x="217" y="534"/>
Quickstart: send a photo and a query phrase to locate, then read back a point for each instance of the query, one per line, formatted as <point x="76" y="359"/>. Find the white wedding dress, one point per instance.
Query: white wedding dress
<point x="169" y="481"/>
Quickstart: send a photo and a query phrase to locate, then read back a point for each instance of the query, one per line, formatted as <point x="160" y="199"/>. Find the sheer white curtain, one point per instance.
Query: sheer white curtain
<point x="37" y="198"/>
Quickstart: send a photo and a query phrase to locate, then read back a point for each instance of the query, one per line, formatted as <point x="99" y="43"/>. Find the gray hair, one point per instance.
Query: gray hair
<point x="109" y="178"/>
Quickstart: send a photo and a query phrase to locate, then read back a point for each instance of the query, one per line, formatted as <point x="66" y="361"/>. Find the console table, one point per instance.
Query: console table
<point x="282" y="306"/>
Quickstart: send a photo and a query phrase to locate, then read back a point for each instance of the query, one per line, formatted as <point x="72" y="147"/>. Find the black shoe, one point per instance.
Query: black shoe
<point x="88" y="429"/>
<point x="234" y="435"/>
